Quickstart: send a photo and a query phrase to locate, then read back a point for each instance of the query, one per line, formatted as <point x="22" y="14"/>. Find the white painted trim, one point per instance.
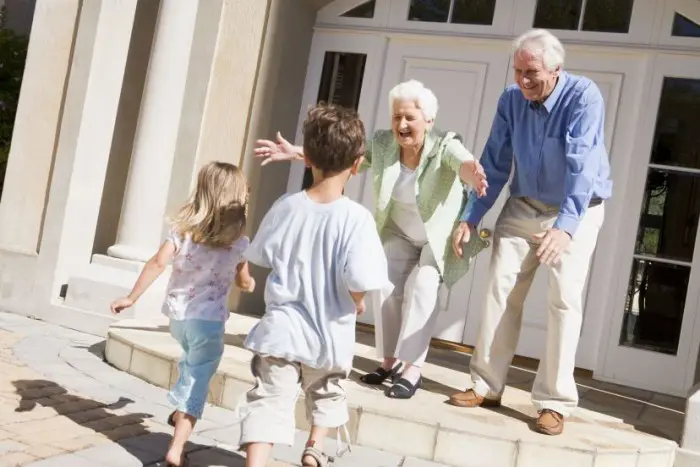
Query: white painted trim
<point x="501" y="26"/>
<point x="628" y="365"/>
<point x="331" y="14"/>
<point x="688" y="8"/>
<point x="371" y="45"/>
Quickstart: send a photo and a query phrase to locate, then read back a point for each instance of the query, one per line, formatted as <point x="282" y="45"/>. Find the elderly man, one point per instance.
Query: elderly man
<point x="550" y="127"/>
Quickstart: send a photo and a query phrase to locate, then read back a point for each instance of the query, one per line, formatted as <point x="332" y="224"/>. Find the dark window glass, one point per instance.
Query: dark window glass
<point x="431" y="11"/>
<point x="677" y="135"/>
<point x="608" y="16"/>
<point x="473" y="11"/>
<point x="341" y="82"/>
<point x="366" y="10"/>
<point x="669" y="220"/>
<point x="654" y="307"/>
<point x="557" y="14"/>
<point x="684" y="27"/>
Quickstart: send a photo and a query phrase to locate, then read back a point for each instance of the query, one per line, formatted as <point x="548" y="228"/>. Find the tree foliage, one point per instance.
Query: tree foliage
<point x="13" y="53"/>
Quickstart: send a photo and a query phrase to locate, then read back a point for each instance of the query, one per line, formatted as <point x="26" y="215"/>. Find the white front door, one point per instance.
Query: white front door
<point x="467" y="77"/>
<point x="618" y="75"/>
<point x="654" y="332"/>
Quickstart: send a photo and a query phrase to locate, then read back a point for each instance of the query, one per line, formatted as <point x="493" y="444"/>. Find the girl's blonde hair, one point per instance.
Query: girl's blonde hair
<point x="215" y="214"/>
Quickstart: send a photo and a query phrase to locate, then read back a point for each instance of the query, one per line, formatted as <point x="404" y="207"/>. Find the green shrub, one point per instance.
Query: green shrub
<point x="13" y="52"/>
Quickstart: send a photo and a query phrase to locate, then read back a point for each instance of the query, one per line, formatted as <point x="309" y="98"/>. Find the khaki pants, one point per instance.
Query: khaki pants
<point x="409" y="313"/>
<point x="267" y="413"/>
<point x="513" y="267"/>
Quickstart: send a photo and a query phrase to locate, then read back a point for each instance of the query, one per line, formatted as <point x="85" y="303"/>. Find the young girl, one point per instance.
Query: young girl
<point x="206" y="244"/>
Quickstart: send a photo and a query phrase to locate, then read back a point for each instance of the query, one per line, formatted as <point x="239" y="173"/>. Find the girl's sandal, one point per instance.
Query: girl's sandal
<point x="319" y="457"/>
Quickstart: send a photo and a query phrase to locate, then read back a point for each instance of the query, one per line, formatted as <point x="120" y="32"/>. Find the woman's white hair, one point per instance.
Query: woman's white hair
<point x="415" y="91"/>
<point x="541" y="43"/>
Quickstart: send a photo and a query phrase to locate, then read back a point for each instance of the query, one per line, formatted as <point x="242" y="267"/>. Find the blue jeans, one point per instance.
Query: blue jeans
<point x="203" y="345"/>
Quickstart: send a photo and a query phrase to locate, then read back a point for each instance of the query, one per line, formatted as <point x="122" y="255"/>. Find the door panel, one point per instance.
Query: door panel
<point x="654" y="330"/>
<point x="467" y="80"/>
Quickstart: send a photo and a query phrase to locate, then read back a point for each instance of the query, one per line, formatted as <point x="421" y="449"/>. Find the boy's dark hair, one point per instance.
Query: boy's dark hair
<point x="334" y="138"/>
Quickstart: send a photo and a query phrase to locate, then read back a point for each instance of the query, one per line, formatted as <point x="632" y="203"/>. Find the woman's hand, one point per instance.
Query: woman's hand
<point x="282" y="150"/>
<point x="472" y="172"/>
<point x="461" y="235"/>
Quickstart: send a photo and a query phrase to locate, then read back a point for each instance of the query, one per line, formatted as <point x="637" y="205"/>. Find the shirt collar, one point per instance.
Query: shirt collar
<point x="551" y="101"/>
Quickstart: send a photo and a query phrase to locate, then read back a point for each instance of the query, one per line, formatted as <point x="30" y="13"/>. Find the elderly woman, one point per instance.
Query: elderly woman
<point x="418" y="175"/>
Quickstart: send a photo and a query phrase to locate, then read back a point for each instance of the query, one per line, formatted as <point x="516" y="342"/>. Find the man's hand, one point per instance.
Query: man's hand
<point x="472" y="172"/>
<point x="271" y="151"/>
<point x="460" y="235"/>
<point x="553" y="244"/>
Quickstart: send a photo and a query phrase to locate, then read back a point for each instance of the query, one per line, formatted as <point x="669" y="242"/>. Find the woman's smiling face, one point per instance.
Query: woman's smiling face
<point x="408" y="124"/>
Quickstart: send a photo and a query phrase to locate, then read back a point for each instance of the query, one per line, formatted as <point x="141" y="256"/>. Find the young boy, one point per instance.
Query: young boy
<point x="325" y="253"/>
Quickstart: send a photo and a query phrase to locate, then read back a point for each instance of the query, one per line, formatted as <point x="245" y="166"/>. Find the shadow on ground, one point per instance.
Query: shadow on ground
<point x="102" y="423"/>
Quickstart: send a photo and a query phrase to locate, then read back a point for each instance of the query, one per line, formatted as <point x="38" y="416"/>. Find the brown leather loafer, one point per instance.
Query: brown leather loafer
<point x="471" y="399"/>
<point x="550" y="423"/>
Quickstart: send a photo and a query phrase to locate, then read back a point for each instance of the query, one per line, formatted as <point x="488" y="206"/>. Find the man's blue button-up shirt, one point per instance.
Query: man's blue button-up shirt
<point x="558" y="148"/>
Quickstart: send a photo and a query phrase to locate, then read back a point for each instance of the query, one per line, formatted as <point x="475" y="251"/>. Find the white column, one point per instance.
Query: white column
<point x="36" y="124"/>
<point x="88" y="121"/>
<point x="145" y="199"/>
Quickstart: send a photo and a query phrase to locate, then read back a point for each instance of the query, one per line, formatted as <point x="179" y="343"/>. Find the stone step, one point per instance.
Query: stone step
<point x="425" y="426"/>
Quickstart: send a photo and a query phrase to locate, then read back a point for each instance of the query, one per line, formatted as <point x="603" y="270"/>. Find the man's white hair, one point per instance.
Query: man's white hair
<point x="541" y="43"/>
<point x="414" y="91"/>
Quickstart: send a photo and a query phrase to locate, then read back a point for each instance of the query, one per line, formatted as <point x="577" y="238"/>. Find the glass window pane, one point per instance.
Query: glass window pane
<point x="432" y="11"/>
<point x="677" y="135"/>
<point x="341" y="83"/>
<point x="654" y="306"/>
<point x="473" y="11"/>
<point x="684" y="27"/>
<point x="557" y="14"/>
<point x="608" y="16"/>
<point x="366" y="10"/>
<point x="670" y="211"/>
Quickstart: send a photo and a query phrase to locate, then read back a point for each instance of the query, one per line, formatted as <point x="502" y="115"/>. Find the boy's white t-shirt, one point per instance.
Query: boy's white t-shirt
<point x="318" y="253"/>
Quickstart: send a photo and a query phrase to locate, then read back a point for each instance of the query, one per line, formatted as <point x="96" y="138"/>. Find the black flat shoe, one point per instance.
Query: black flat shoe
<point x="403" y="389"/>
<point x="380" y="375"/>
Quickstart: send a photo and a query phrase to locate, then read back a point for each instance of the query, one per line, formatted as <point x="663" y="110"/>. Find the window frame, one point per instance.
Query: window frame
<point x="332" y="14"/>
<point x="501" y="26"/>
<point x="642" y="22"/>
<point x="688" y="8"/>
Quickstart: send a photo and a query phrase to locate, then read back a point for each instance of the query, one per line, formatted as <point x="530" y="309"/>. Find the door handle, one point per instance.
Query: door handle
<point x="485" y="234"/>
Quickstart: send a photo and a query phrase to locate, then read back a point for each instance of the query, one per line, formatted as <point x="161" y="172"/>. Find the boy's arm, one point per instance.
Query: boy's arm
<point x="151" y="271"/>
<point x="244" y="280"/>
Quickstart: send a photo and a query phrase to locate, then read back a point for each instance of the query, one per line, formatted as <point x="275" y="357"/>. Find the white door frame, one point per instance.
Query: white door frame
<point x="374" y="46"/>
<point x="631" y="366"/>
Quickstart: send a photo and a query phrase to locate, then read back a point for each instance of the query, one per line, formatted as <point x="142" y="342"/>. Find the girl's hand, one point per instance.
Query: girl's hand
<point x="272" y="151"/>
<point x="120" y="305"/>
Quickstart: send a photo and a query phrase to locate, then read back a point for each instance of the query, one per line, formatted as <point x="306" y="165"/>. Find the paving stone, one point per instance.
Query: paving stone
<point x="16" y="459"/>
<point x="119" y="456"/>
<point x="8" y="446"/>
<point x="215" y="457"/>
<point x="67" y="460"/>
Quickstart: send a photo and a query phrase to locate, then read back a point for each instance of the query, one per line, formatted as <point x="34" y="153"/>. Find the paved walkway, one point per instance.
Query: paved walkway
<point x="61" y="405"/>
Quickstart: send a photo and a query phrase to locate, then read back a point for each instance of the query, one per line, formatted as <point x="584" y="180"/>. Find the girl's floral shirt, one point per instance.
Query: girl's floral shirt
<point x="201" y="278"/>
